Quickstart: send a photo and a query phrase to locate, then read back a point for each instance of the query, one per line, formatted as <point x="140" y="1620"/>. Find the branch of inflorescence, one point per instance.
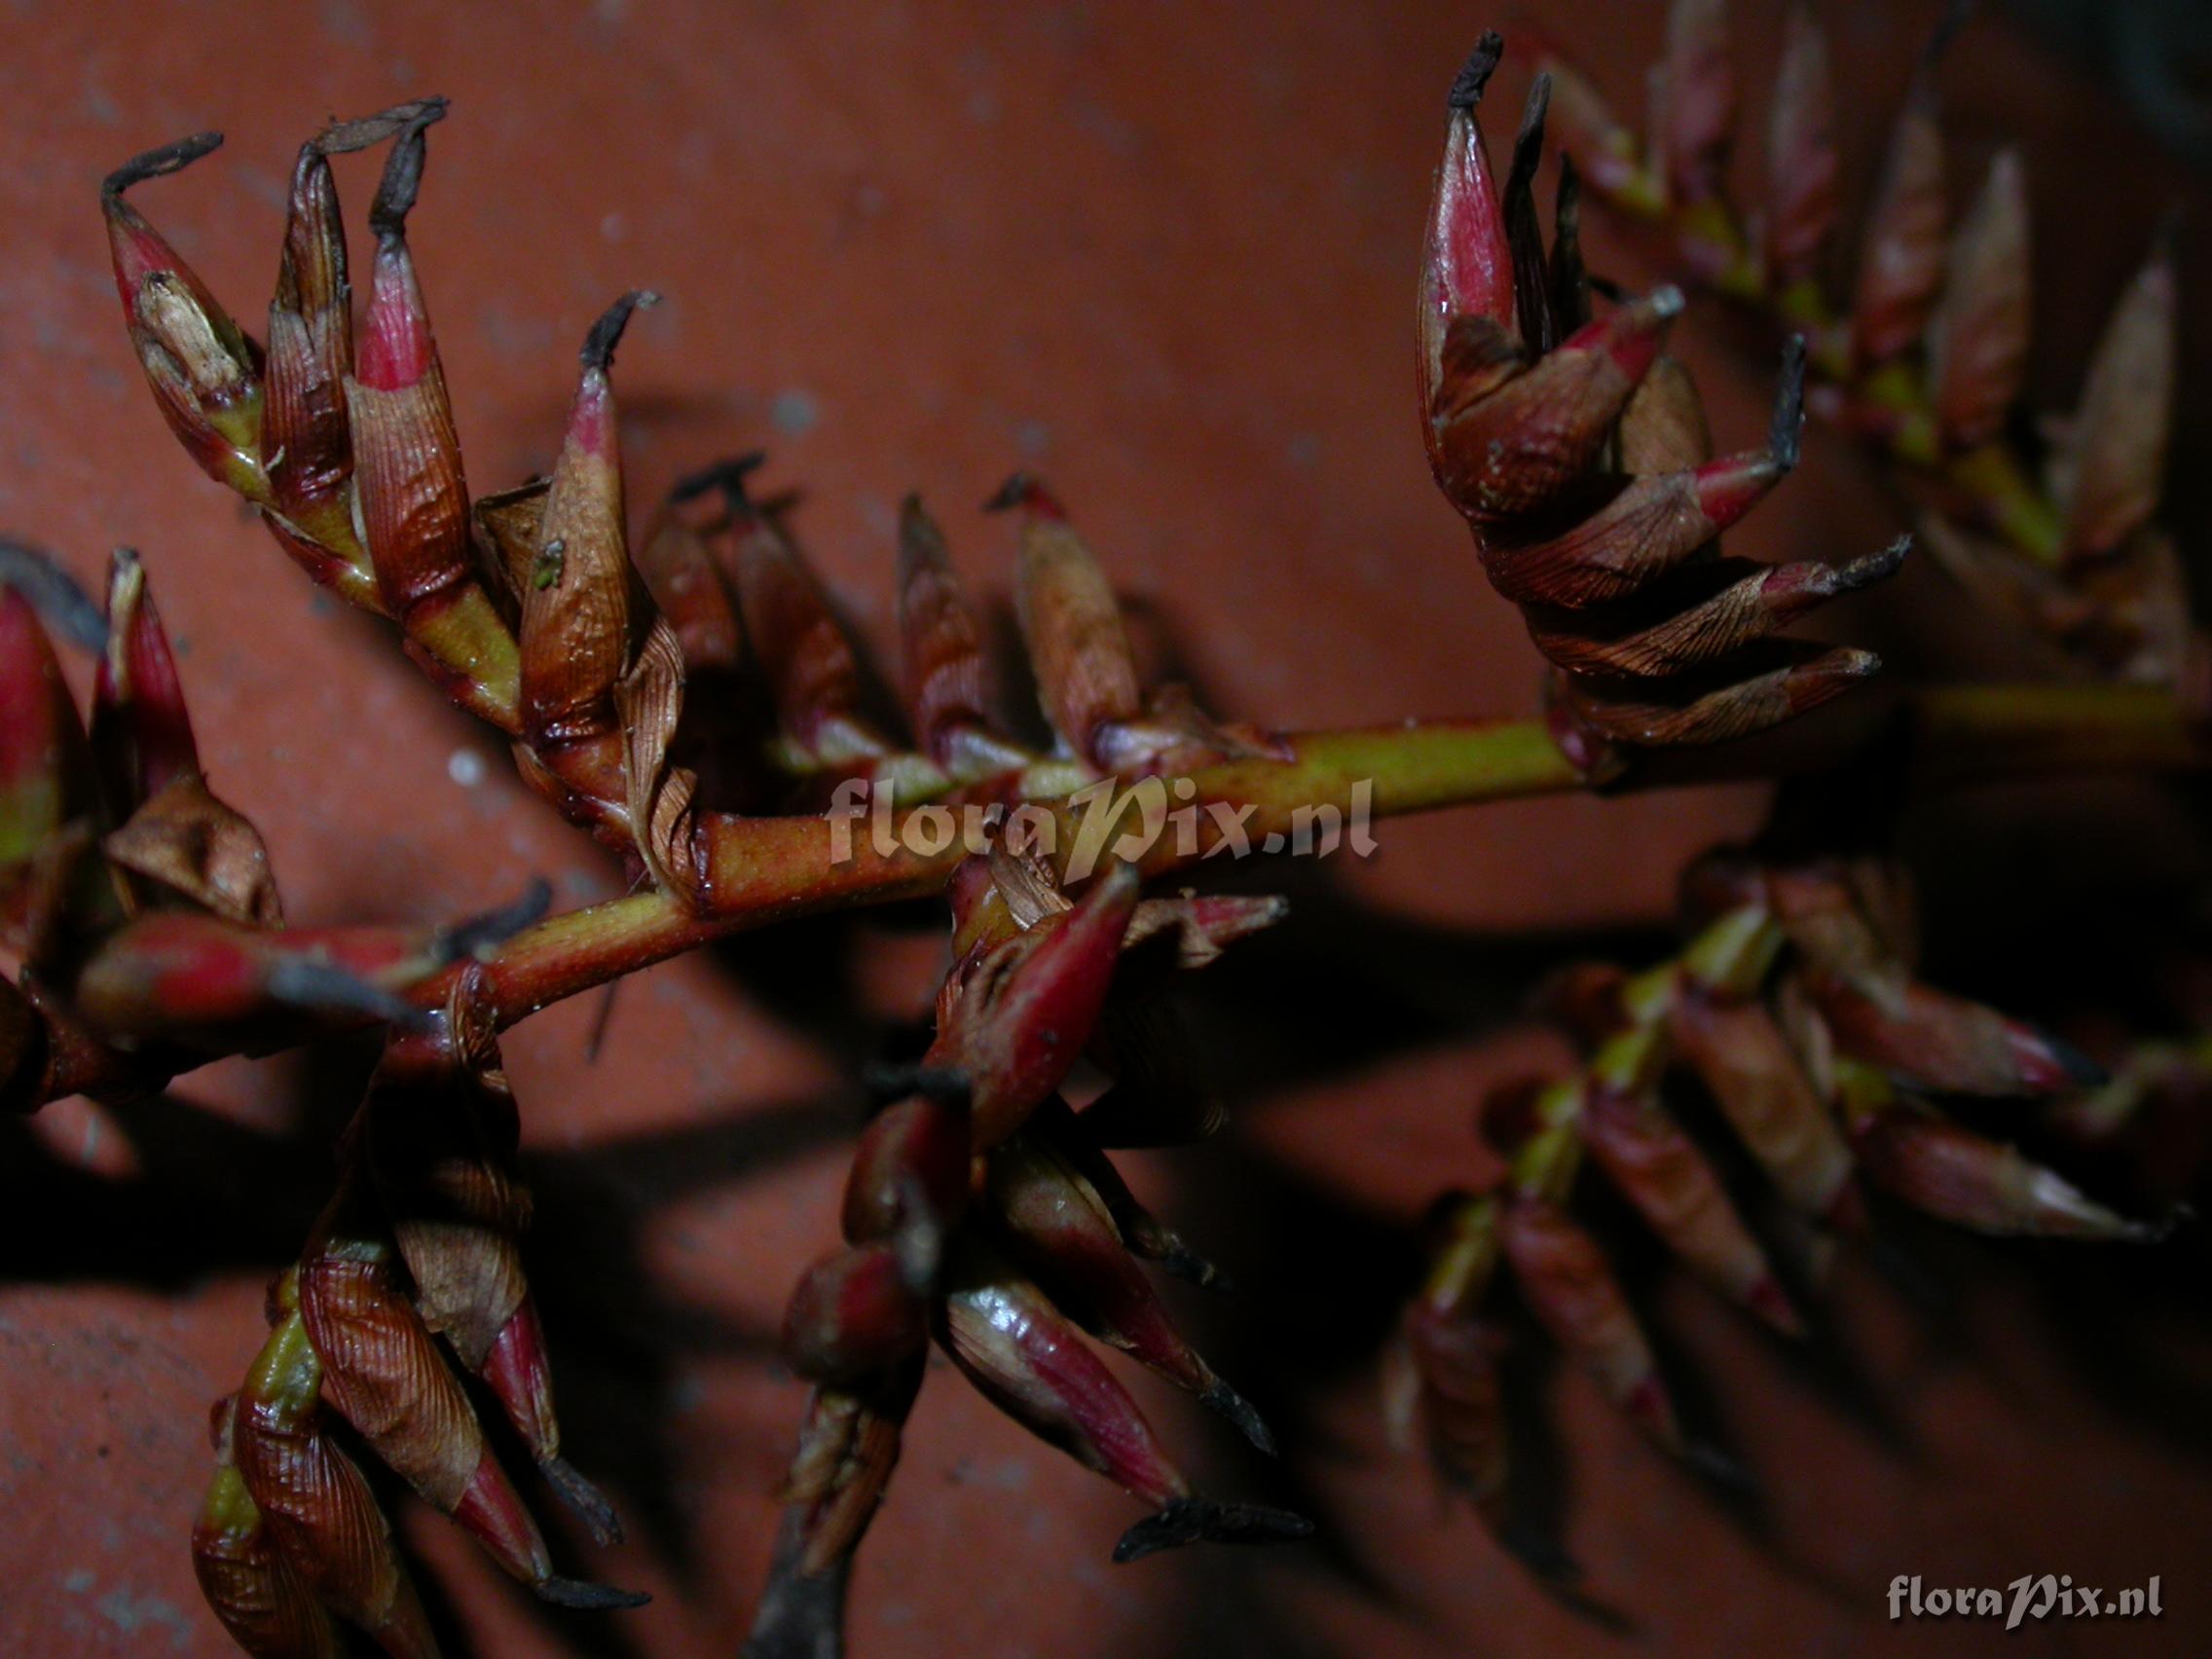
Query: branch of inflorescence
<point x="763" y="871"/>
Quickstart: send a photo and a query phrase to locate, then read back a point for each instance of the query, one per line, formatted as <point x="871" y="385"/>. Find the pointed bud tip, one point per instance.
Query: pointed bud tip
<point x="2062" y="1064"/>
<point x="1021" y="489"/>
<point x="1843" y="664"/>
<point x="1772" y="1304"/>
<point x="157" y="163"/>
<point x="1474" y="75"/>
<point x="1221" y="1398"/>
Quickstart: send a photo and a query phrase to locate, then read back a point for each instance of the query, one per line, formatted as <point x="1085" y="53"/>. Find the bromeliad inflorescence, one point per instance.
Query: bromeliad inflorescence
<point x="694" y="706"/>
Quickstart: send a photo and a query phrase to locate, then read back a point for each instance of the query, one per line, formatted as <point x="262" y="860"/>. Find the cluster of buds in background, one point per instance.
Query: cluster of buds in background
<point x="1797" y="1009"/>
<point x="1925" y="351"/>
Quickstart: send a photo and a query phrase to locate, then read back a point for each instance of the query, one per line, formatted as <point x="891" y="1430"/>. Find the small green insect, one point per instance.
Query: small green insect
<point x="546" y="572"/>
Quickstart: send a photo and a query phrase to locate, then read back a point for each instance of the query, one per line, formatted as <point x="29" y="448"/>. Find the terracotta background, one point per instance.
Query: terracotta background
<point x="1164" y="254"/>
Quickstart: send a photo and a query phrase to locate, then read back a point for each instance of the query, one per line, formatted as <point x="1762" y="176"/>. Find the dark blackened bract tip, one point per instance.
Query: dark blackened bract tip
<point x="1786" y="431"/>
<point x="65" y="609"/>
<point x="888" y="1084"/>
<point x="1568" y="279"/>
<point x="479" y="934"/>
<point x="324" y="987"/>
<point x="1523" y="230"/>
<point x="1186" y="1264"/>
<point x="607" y="332"/>
<point x="1540" y="1552"/>
<point x="591" y="1598"/>
<point x="344" y="137"/>
<point x="583" y="1500"/>
<point x="1017" y="489"/>
<point x="1528" y="142"/>
<point x="1722" y="1470"/>
<point x="402" y="178"/>
<point x="1221" y="1398"/>
<point x="727" y="475"/>
<point x="2080" y="1069"/>
<point x="155" y="164"/>
<point x="2178" y="1215"/>
<point x="1203" y="1520"/>
<point x="1474" y="75"/>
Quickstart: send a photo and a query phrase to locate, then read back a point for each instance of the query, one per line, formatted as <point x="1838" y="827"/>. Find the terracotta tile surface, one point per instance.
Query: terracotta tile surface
<point x="1164" y="253"/>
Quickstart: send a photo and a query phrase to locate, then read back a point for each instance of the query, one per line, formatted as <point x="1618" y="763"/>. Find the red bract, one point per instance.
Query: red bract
<point x="1563" y="1274"/>
<point x="1653" y="655"/>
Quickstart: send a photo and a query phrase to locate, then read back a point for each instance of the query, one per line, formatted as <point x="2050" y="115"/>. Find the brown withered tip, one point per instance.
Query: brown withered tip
<point x="344" y="137"/>
<point x="156" y="164"/>
<point x="1203" y="1520"/>
<point x="1474" y="75"/>
<point x="1871" y="568"/>
<point x="476" y="935"/>
<point x="606" y="334"/>
<point x="589" y="1597"/>
<point x="402" y="178"/>
<point x="66" y="609"/>
<point x="1785" y="428"/>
